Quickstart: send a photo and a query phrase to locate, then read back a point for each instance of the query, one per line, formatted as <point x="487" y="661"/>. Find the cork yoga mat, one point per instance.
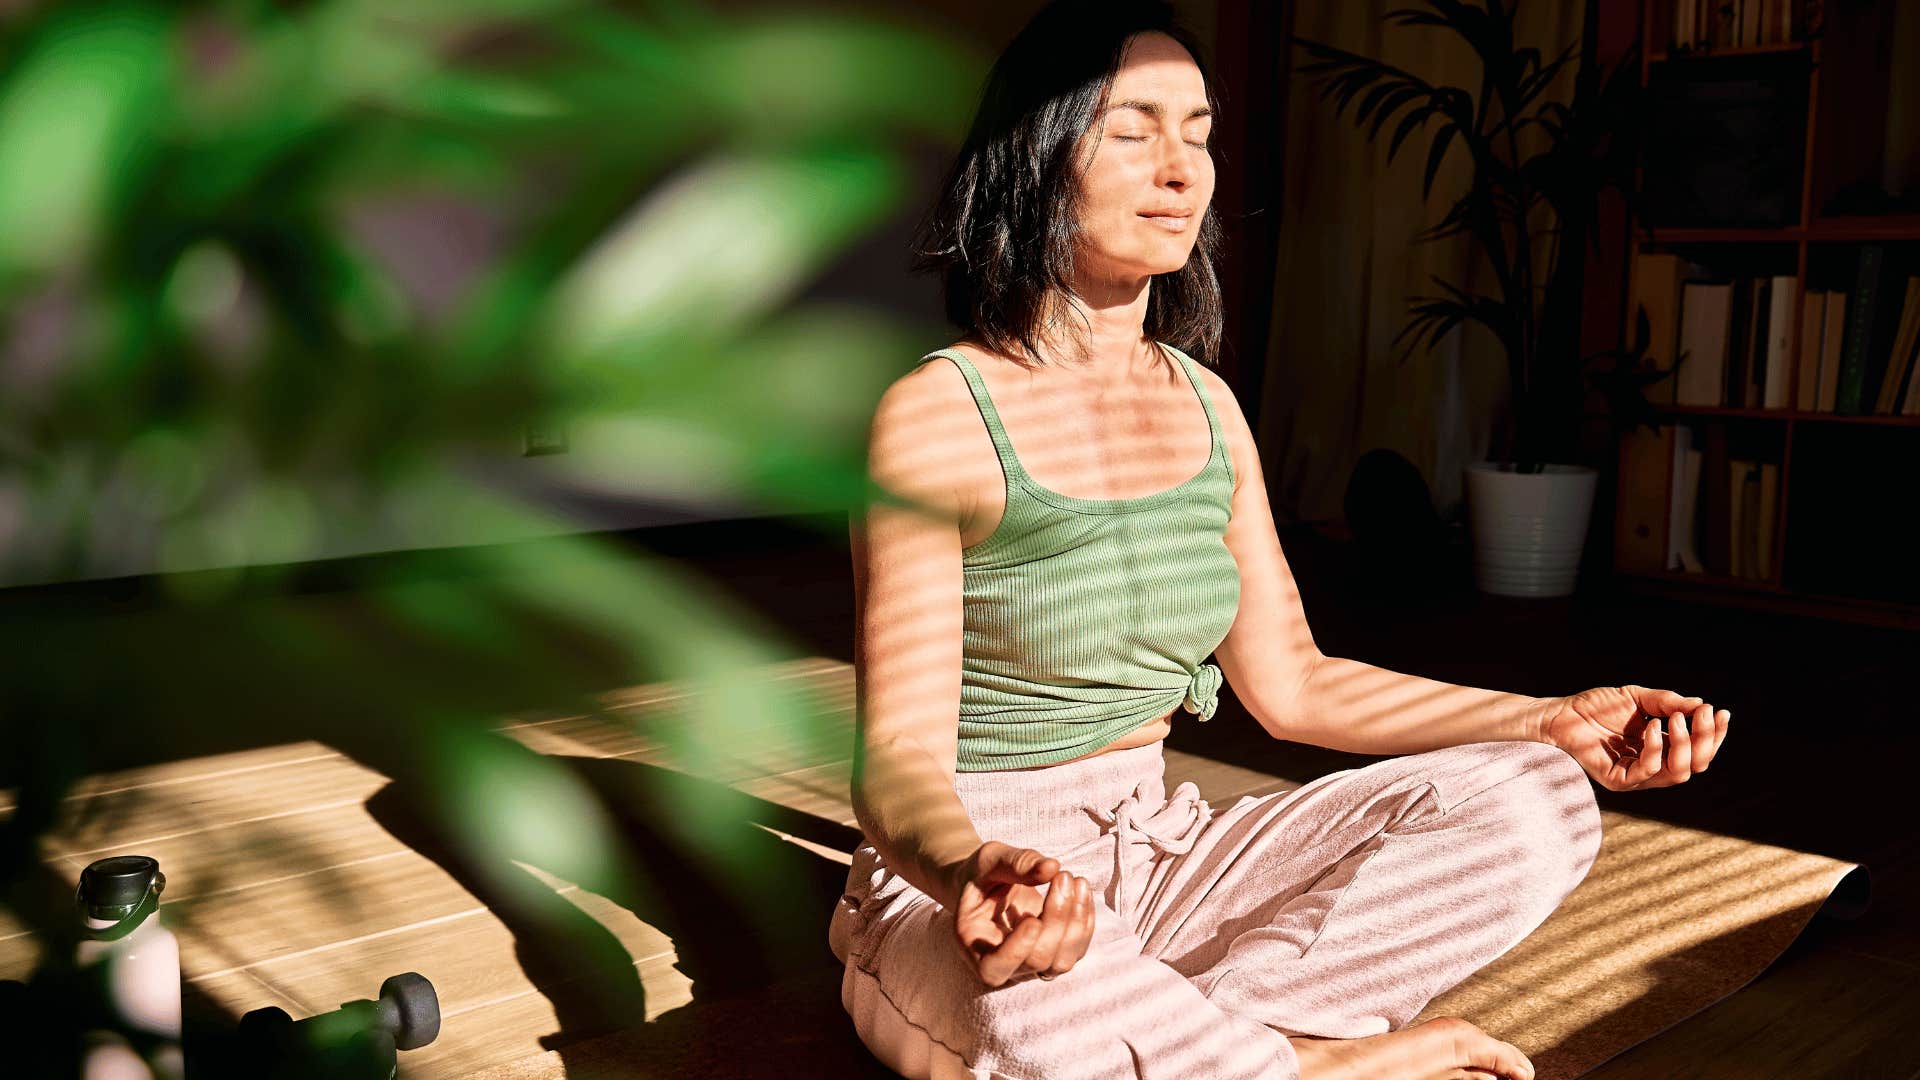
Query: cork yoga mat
<point x="1669" y="921"/>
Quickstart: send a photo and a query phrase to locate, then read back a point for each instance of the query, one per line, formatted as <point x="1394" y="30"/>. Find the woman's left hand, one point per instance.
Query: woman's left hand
<point x="1614" y="733"/>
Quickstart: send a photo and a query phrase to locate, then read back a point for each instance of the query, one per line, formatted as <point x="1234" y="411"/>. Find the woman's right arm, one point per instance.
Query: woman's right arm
<point x="907" y="636"/>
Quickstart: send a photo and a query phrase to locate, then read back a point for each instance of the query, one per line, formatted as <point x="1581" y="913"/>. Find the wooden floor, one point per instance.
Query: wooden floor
<point x="1823" y="736"/>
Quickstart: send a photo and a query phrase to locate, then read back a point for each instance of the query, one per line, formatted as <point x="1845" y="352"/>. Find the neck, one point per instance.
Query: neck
<point x="1099" y="335"/>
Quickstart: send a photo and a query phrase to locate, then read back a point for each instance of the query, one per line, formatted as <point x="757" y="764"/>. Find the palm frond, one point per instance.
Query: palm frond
<point x="1545" y="76"/>
<point x="1459" y="219"/>
<point x="1434" y="317"/>
<point x="1435" y="156"/>
<point x="1401" y="97"/>
<point x="1344" y="75"/>
<point x="1412" y="120"/>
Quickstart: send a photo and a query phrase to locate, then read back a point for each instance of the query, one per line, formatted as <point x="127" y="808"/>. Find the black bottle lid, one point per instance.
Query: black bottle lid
<point x="121" y="881"/>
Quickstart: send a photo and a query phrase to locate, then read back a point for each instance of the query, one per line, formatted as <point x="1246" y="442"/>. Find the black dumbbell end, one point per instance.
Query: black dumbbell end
<point x="410" y="1010"/>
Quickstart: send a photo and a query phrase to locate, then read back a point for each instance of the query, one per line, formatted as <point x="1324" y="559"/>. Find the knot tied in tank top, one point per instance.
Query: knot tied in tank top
<point x="1086" y="618"/>
<point x="1203" y="691"/>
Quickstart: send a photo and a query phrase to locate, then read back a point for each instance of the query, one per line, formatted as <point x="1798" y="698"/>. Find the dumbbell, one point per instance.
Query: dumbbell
<point x="358" y="1040"/>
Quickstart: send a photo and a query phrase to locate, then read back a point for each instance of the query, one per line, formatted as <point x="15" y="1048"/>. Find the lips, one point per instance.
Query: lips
<point x="1169" y="222"/>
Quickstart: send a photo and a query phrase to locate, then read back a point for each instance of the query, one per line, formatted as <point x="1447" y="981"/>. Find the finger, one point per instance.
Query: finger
<point x="1652" y="755"/>
<point x="979" y="936"/>
<point x="1055" y="916"/>
<point x="999" y="965"/>
<point x="1499" y="1058"/>
<point x="1703" y="737"/>
<point x="1024" y="867"/>
<point x="1721" y="720"/>
<point x="1662" y="702"/>
<point x="1679" y="751"/>
<point x="1079" y="933"/>
<point x="1080" y="925"/>
<point x="976" y="936"/>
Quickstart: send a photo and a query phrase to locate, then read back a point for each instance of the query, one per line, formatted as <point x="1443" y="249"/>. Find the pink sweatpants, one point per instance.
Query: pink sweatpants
<point x="1338" y="909"/>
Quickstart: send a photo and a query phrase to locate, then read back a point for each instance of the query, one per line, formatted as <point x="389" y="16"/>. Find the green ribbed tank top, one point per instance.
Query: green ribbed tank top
<point x="1085" y="618"/>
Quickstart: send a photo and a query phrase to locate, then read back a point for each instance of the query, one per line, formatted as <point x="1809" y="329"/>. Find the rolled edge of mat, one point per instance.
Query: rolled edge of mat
<point x="1851" y="895"/>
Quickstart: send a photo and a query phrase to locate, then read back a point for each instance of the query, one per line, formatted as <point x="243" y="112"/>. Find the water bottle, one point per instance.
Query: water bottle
<point x="134" y="964"/>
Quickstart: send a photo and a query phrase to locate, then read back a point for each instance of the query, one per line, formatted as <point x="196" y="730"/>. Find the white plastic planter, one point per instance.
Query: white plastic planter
<point x="1528" y="528"/>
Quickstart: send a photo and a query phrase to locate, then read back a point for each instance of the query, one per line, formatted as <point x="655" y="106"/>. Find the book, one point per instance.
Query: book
<point x="1644" y="513"/>
<point x="1769" y="506"/>
<point x="1704" y="318"/>
<point x="1676" y="482"/>
<point x="1806" y="374"/>
<point x="1685" y="12"/>
<point x="1872" y="320"/>
<point x="1725" y="31"/>
<point x="1910" y="399"/>
<point x="1758" y="327"/>
<point x="1739" y="552"/>
<point x="1750" y="13"/>
<point x="1683" y="546"/>
<point x="1908" y="378"/>
<point x="1739" y="345"/>
<point x="1893" y="379"/>
<point x="1716" y="503"/>
<point x="1655" y="289"/>
<point x="1834" y="329"/>
<point x="1779" y="343"/>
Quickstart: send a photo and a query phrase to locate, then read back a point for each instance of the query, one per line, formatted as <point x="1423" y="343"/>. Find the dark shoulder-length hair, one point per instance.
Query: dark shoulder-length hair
<point x="1001" y="233"/>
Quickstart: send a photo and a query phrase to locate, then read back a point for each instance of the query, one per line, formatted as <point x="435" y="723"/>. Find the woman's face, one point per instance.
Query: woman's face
<point x="1151" y="178"/>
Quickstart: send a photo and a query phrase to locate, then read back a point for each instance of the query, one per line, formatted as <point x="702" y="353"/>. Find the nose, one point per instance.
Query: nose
<point x="1177" y="166"/>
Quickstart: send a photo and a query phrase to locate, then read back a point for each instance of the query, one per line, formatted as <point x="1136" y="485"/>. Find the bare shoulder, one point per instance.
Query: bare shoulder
<point x="927" y="439"/>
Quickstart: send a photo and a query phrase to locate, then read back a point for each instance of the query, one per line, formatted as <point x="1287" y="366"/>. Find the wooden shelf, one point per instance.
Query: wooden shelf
<point x="1762" y="596"/>
<point x="1863" y="228"/>
<point x="1788" y="414"/>
<point x="1705" y="54"/>
<point x="1715" y="581"/>
<point x="1753" y="234"/>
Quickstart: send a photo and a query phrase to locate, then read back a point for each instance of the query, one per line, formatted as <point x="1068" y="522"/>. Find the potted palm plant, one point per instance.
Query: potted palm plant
<point x="1532" y="214"/>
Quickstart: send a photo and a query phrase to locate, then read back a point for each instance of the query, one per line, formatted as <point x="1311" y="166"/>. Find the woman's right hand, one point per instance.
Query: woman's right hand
<point x="1006" y="927"/>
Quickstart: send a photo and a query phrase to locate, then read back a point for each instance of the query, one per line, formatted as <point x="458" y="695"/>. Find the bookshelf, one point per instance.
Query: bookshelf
<point x="1828" y="533"/>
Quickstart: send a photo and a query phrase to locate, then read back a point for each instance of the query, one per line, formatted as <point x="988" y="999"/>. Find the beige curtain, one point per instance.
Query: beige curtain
<point x="1347" y="263"/>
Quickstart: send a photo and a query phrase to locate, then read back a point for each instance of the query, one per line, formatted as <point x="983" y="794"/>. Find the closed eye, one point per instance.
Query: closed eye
<point x="1143" y="138"/>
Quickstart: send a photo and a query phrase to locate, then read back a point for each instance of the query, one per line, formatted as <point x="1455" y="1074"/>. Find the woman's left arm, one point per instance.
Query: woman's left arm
<point x="1297" y="693"/>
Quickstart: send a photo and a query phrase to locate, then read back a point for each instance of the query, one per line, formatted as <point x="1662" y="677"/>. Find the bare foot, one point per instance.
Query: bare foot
<point x="1445" y="1048"/>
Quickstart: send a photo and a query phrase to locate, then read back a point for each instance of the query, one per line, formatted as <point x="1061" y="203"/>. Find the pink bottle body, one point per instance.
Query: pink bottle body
<point x="135" y="961"/>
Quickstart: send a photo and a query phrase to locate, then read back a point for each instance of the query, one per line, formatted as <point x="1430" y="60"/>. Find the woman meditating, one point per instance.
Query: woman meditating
<point x="1080" y="522"/>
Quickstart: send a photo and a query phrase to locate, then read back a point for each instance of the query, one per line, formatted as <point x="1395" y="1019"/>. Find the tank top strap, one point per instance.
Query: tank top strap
<point x="1206" y="403"/>
<point x="984" y="402"/>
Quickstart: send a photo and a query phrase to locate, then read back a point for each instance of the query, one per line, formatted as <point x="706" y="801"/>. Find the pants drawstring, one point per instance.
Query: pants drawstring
<point x="1171" y="830"/>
